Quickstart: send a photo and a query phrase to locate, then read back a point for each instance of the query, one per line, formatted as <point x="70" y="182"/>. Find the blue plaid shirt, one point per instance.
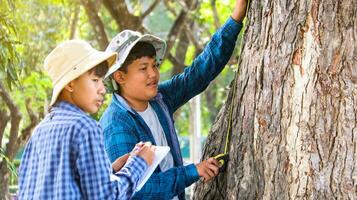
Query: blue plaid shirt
<point x="65" y="159"/>
<point x="123" y="127"/>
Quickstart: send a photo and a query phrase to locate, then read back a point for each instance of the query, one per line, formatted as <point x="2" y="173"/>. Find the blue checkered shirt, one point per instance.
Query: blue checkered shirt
<point x="65" y="159"/>
<point x="123" y="127"/>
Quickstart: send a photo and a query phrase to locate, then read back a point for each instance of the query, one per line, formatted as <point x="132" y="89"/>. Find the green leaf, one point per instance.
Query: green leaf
<point x="9" y="164"/>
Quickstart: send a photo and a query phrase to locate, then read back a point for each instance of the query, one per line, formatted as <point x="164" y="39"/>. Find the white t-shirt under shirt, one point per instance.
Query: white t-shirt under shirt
<point x="152" y="121"/>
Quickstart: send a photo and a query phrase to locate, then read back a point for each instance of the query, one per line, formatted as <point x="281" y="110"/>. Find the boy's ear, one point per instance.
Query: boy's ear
<point x="69" y="87"/>
<point x="119" y="77"/>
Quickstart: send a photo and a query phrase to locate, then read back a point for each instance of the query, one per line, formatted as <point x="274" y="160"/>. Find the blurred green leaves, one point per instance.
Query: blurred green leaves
<point x="8" y="41"/>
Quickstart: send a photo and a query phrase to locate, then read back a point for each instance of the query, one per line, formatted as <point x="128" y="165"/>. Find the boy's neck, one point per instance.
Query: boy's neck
<point x="137" y="105"/>
<point x="65" y="96"/>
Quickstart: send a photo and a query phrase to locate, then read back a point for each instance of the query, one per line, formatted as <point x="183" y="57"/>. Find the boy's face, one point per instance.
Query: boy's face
<point x="140" y="82"/>
<point x="88" y="92"/>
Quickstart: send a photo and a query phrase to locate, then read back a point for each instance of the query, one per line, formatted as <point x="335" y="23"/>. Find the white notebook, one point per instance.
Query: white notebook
<point x="160" y="153"/>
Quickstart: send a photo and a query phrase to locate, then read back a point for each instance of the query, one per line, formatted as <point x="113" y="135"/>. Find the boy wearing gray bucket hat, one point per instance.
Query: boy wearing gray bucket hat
<point x="142" y="109"/>
<point x="65" y="156"/>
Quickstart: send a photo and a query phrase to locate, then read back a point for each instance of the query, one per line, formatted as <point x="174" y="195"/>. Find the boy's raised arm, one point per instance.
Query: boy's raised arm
<point x="208" y="64"/>
<point x="240" y="10"/>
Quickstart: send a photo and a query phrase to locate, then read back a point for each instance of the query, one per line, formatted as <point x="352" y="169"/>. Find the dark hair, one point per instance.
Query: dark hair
<point x="100" y="70"/>
<point x="140" y="49"/>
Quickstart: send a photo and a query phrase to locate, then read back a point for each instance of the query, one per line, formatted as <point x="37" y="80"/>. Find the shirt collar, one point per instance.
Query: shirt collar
<point x="64" y="105"/>
<point x="119" y="100"/>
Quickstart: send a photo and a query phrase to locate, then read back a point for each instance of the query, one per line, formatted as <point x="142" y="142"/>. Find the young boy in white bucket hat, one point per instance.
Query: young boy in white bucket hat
<point x="65" y="156"/>
<point x="142" y="109"/>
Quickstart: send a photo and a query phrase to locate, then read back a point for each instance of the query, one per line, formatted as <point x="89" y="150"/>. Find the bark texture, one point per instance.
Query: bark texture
<point x="294" y="124"/>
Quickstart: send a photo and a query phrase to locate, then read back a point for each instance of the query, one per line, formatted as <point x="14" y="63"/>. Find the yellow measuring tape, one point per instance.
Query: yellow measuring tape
<point x="224" y="157"/>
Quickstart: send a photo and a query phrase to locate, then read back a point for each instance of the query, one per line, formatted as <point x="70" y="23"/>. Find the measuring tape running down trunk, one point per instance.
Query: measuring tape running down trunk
<point x="224" y="157"/>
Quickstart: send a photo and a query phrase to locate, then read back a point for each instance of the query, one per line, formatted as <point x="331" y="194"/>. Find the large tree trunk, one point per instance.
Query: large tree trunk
<point x="294" y="124"/>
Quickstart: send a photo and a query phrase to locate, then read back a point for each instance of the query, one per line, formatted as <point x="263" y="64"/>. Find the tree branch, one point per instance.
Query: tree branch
<point x="113" y="12"/>
<point x="6" y="97"/>
<point x="173" y="60"/>
<point x="4" y="119"/>
<point x="15" y="121"/>
<point x="124" y="19"/>
<point x="26" y="132"/>
<point x="180" y="54"/>
<point x="175" y="30"/>
<point x="97" y="24"/>
<point x="178" y="24"/>
<point x="215" y="14"/>
<point x="169" y="7"/>
<point x="192" y="38"/>
<point x="185" y="5"/>
<point x="150" y="9"/>
<point x="74" y="22"/>
<point x="190" y="30"/>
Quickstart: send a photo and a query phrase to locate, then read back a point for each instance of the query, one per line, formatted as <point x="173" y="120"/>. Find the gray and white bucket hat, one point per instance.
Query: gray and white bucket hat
<point x="122" y="44"/>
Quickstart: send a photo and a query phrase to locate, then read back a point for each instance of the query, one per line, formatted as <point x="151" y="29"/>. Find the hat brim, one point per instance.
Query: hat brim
<point x="93" y="60"/>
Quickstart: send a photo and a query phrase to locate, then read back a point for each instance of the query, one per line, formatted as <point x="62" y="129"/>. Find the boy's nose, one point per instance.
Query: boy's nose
<point x="102" y="89"/>
<point x="152" y="72"/>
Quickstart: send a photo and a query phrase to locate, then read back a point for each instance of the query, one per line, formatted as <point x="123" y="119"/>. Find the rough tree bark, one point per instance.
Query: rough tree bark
<point x="294" y="118"/>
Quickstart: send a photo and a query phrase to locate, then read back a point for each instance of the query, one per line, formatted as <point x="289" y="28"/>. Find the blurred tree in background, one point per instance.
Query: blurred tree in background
<point x="30" y="29"/>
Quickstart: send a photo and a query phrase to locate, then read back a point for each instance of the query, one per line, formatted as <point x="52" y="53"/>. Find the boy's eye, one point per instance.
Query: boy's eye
<point x="95" y="79"/>
<point x="143" y="68"/>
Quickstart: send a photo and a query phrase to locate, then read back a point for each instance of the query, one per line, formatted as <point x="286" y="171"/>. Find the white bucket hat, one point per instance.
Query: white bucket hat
<point x="124" y="41"/>
<point x="71" y="59"/>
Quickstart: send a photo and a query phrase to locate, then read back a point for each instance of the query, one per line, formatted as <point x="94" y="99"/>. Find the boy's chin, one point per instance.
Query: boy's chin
<point x="92" y="110"/>
<point x="151" y="95"/>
